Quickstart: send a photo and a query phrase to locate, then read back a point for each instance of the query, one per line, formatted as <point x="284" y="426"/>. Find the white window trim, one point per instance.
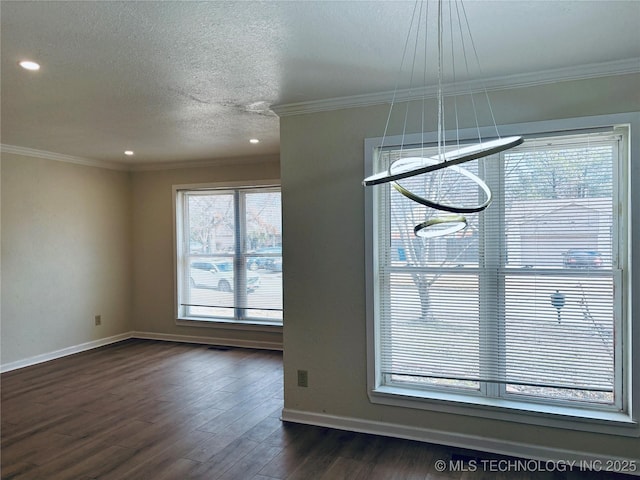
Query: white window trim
<point x="253" y="325"/>
<point x="572" y="418"/>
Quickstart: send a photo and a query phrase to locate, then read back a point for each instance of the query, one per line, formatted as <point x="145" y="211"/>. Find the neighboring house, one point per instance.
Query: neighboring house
<point x="583" y="224"/>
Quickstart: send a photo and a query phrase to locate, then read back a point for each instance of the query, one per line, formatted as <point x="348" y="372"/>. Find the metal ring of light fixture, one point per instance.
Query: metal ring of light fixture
<point x="439" y="226"/>
<point x="438" y="206"/>
<point x="448" y="159"/>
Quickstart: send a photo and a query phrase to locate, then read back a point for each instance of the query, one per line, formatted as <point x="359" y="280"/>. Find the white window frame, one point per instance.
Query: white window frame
<point x="181" y="317"/>
<point x="625" y="423"/>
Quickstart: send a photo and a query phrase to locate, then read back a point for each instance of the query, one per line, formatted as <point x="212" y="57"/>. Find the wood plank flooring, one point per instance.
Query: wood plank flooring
<point x="146" y="410"/>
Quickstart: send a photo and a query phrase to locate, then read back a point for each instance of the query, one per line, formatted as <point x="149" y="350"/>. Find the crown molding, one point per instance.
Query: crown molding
<point x="143" y="167"/>
<point x="582" y="72"/>
<point x="135" y="167"/>
<point x="89" y="162"/>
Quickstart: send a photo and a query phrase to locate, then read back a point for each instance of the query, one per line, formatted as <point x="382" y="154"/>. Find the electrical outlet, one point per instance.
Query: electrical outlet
<point x="303" y="378"/>
<point x="98" y="320"/>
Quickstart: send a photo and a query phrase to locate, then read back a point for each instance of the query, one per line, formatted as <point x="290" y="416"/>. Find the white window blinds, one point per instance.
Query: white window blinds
<point x="526" y="300"/>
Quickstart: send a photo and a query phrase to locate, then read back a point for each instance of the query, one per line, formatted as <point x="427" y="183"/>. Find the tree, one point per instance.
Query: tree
<point x="443" y="186"/>
<point x="264" y="223"/>
<point x="559" y="172"/>
<point x="207" y="215"/>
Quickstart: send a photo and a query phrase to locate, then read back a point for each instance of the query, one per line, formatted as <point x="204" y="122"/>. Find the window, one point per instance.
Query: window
<point x="525" y="309"/>
<point x="229" y="254"/>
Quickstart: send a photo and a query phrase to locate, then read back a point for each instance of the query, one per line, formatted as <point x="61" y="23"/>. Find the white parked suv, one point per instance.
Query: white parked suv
<point x="219" y="276"/>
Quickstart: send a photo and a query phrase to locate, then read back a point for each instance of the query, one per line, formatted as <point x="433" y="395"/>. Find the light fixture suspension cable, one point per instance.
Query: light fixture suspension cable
<point x="480" y="72"/>
<point x="397" y="85"/>
<point x="468" y="71"/>
<point x="453" y="77"/>
<point x="440" y="106"/>
<point x="403" y="167"/>
<point x="413" y="68"/>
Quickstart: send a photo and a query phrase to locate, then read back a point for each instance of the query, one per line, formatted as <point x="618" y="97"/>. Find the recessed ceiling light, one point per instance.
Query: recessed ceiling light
<point x="254" y="140"/>
<point x="128" y="152"/>
<point x="29" y="65"/>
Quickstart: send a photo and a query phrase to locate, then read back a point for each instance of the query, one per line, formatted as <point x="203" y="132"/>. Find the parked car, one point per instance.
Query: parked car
<point x="271" y="262"/>
<point x="275" y="265"/>
<point x="575" y="258"/>
<point x="219" y="276"/>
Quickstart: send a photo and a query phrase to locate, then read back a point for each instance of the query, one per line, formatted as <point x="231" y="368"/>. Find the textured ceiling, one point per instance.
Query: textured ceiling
<point x="184" y="81"/>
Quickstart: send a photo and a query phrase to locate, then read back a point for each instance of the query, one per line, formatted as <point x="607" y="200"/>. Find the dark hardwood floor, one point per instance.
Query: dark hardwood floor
<point x="158" y="410"/>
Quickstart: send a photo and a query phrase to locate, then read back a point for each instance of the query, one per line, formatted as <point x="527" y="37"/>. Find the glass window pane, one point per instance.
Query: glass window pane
<point x="266" y="300"/>
<point x="431" y="331"/>
<point x="559" y="206"/>
<point x="211" y="222"/>
<point x="210" y="287"/>
<point x="263" y="246"/>
<point x="228" y="270"/>
<point x="559" y="340"/>
<point x="263" y="223"/>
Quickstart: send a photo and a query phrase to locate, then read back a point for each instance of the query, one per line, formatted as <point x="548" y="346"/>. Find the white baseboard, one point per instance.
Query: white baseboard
<point x="227" y="342"/>
<point x="482" y="444"/>
<point x="45" y="357"/>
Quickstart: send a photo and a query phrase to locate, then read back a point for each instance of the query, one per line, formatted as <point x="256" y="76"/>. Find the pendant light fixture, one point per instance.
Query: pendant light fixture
<point x="403" y="168"/>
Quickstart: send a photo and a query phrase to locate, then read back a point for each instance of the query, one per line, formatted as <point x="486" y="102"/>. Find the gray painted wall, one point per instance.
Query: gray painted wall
<point x="66" y="255"/>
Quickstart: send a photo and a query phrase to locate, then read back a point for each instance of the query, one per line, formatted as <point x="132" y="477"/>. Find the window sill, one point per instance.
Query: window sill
<point x="228" y="324"/>
<point x="571" y="418"/>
